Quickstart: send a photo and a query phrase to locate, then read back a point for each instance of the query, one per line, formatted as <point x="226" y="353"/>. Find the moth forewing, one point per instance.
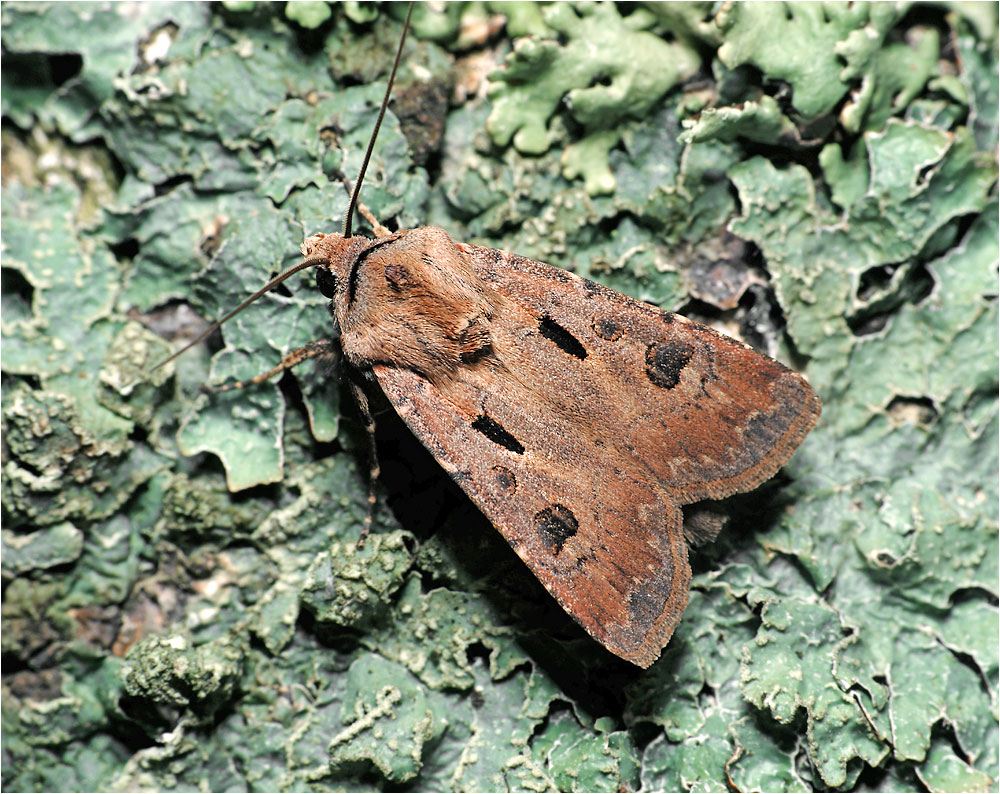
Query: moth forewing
<point x="582" y="422"/>
<point x="602" y="539"/>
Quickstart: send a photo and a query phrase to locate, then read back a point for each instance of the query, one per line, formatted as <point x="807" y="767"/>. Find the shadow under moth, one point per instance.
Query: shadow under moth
<point x="579" y="420"/>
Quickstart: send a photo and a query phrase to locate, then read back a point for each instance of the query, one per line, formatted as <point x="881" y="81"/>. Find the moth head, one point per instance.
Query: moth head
<point x="422" y="292"/>
<point x="335" y="256"/>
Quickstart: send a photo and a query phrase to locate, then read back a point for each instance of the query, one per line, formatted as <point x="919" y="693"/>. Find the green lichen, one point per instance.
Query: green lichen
<point x="809" y="632"/>
<point x="309" y="13"/>
<point x="434" y="631"/>
<point x="350" y="586"/>
<point x="607" y="70"/>
<point x="840" y="51"/>
<point x="170" y="671"/>
<point x="59" y="469"/>
<point x="129" y="390"/>
<point x="388" y="719"/>
<point x="45" y="548"/>
<point x="580" y="760"/>
<point x="760" y="121"/>
<point x="897" y="75"/>
<point x="88" y="692"/>
<point x="827" y="45"/>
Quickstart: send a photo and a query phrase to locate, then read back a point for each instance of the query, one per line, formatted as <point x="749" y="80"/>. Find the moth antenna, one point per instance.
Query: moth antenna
<point x="378" y="124"/>
<point x="347" y="221"/>
<point x="305" y="263"/>
<point x="367" y="214"/>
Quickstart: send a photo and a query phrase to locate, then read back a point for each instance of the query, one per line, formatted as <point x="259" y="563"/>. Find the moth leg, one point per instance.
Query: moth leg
<point x="374" y="471"/>
<point x="378" y="228"/>
<point x="367" y="214"/>
<point x="321" y="348"/>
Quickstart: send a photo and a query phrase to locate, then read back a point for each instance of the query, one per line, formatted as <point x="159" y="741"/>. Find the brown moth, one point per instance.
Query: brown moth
<point x="579" y="420"/>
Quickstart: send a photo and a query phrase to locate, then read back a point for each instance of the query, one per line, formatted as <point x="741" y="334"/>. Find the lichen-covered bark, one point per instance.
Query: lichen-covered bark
<point x="180" y="567"/>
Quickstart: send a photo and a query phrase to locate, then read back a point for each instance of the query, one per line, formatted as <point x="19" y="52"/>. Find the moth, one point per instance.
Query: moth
<point x="578" y="420"/>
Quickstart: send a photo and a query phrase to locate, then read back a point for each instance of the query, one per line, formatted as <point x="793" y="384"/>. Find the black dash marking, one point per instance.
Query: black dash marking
<point x="556" y="525"/>
<point x="497" y="433"/>
<point x="562" y="338"/>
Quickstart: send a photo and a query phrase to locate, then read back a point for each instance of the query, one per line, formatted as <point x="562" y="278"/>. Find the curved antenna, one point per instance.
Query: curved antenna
<point x="371" y="142"/>
<point x="305" y="263"/>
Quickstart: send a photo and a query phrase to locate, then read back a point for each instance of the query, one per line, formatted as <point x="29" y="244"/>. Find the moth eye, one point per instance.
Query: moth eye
<point x="326" y="282"/>
<point x="665" y="361"/>
<point x="556" y="525"/>
<point x="397" y="276"/>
